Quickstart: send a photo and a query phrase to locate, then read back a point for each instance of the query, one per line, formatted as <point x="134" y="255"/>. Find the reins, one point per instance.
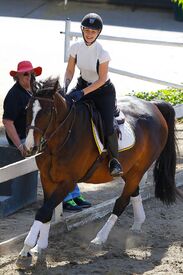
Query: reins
<point x="73" y="108"/>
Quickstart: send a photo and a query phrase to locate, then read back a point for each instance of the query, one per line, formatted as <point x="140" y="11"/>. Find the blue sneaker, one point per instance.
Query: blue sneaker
<point x="80" y="201"/>
<point x="70" y="205"/>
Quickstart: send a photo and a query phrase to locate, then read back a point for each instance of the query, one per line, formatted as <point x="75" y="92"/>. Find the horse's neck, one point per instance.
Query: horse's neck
<point x="61" y="108"/>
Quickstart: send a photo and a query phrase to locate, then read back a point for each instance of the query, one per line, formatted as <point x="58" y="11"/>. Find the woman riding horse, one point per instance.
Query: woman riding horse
<point x="94" y="83"/>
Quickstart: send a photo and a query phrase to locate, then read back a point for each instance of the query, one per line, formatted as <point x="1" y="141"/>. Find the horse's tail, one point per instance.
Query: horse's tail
<point x="165" y="166"/>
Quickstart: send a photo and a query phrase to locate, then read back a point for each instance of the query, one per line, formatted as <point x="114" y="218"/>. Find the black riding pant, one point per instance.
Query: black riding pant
<point x="104" y="99"/>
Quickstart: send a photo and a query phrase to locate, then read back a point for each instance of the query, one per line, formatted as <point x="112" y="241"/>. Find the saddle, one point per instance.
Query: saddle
<point x="98" y="133"/>
<point x="119" y="119"/>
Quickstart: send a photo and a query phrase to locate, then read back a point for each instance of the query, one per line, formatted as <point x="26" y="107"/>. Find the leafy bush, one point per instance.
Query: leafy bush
<point x="173" y="96"/>
<point x="179" y="2"/>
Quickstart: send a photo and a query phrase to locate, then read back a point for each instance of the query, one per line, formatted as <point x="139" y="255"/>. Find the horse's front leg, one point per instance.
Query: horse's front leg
<point x="25" y="257"/>
<point x="39" y="232"/>
<point x="42" y="241"/>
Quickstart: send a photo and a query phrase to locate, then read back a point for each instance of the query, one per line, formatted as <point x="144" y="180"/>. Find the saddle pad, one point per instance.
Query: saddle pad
<point x="126" y="139"/>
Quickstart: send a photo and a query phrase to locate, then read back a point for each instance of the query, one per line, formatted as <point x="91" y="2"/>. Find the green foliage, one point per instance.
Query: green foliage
<point x="180" y="120"/>
<point x="173" y="96"/>
<point x="179" y="2"/>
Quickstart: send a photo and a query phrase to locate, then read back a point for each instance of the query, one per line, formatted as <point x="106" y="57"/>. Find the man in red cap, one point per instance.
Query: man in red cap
<point x="15" y="103"/>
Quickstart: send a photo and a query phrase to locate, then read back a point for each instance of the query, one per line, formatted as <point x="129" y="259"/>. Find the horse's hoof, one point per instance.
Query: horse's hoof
<point x="97" y="241"/>
<point x="136" y="227"/>
<point x="23" y="262"/>
<point x="93" y="247"/>
<point x="36" y="251"/>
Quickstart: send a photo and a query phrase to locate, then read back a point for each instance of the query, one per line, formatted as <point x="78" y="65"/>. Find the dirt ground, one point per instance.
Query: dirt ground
<point x="157" y="250"/>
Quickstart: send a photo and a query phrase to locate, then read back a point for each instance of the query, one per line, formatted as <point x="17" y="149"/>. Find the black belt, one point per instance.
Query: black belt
<point x="86" y="83"/>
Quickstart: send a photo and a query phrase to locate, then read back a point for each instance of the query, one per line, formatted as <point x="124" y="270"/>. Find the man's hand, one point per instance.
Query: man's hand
<point x="23" y="150"/>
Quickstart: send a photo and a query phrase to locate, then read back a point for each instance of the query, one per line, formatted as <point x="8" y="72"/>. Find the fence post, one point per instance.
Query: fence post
<point x="67" y="38"/>
<point x="58" y="212"/>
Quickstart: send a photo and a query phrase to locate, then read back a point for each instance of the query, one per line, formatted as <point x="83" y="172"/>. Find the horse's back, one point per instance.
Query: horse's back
<point x="138" y="111"/>
<point x="135" y="107"/>
<point x="147" y="121"/>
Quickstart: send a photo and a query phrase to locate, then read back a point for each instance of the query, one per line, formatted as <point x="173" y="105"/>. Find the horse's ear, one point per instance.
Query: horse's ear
<point x="33" y="84"/>
<point x="62" y="91"/>
<point x="57" y="87"/>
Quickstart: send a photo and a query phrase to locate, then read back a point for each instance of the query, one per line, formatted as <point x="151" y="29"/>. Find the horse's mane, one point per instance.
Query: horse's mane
<point x="45" y="88"/>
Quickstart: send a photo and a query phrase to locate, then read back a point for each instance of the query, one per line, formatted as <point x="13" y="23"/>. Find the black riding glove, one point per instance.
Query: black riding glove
<point x="76" y="95"/>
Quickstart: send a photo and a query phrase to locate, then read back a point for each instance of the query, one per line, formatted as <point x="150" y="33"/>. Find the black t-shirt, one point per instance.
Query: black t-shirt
<point x="15" y="104"/>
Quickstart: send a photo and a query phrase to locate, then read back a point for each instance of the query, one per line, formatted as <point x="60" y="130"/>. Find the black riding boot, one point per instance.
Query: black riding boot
<point x="114" y="164"/>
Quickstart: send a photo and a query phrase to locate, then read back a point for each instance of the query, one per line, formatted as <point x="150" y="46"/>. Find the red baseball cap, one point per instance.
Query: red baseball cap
<point x="26" y="66"/>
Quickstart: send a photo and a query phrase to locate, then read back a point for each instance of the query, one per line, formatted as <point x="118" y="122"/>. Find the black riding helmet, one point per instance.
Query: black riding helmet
<point x="92" y="21"/>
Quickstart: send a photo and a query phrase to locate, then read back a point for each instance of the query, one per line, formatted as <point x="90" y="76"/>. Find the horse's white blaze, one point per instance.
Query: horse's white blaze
<point x="29" y="142"/>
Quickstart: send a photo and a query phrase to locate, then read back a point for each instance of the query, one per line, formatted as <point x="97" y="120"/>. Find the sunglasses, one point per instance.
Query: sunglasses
<point x="26" y="73"/>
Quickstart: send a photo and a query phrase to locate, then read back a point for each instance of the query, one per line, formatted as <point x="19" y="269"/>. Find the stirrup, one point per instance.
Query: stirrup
<point x="115" y="168"/>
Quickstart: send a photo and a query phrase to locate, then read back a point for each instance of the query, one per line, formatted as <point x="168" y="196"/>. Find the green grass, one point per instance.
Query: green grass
<point x="173" y="96"/>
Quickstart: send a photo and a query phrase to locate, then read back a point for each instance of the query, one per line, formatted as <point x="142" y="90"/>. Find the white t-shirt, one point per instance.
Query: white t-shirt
<point x="87" y="59"/>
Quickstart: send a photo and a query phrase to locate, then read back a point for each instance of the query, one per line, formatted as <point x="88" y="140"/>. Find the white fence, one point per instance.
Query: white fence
<point x="18" y="169"/>
<point x="69" y="35"/>
<point x="21" y="168"/>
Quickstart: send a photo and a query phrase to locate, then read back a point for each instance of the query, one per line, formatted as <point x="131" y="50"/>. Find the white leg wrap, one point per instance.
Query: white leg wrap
<point x="33" y="234"/>
<point x="35" y="250"/>
<point x="104" y="232"/>
<point x="25" y="250"/>
<point x="138" y="210"/>
<point x="43" y="236"/>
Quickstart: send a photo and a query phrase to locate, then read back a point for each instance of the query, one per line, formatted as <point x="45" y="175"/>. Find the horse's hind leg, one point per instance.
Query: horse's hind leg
<point x="138" y="211"/>
<point x="130" y="188"/>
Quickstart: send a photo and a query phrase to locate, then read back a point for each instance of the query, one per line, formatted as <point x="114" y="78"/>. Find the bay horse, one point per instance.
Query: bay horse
<point x="70" y="150"/>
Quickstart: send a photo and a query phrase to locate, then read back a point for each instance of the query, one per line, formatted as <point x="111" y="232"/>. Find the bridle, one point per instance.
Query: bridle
<point x="44" y="138"/>
<point x="35" y="128"/>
